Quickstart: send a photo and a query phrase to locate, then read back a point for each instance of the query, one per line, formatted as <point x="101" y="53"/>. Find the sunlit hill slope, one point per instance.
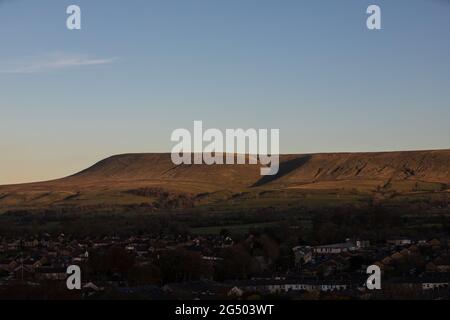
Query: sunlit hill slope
<point x="151" y="182"/>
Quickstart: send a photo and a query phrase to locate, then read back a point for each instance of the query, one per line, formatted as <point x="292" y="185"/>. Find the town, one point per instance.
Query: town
<point x="219" y="267"/>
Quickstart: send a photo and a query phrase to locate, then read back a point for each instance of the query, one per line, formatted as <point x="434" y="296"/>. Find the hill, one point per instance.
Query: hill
<point x="152" y="182"/>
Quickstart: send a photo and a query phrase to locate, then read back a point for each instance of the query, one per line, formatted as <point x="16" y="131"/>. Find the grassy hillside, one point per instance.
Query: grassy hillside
<point x="150" y="182"/>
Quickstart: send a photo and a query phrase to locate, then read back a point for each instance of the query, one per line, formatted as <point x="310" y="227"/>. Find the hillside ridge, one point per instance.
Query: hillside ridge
<point x="131" y="179"/>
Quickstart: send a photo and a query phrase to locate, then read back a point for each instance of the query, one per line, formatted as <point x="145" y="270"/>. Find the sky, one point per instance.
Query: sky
<point x="139" y="69"/>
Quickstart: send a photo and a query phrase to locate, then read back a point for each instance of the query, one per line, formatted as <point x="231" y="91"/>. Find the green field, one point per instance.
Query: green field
<point x="233" y="229"/>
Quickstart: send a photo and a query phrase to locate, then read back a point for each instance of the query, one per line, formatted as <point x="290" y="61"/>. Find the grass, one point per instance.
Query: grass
<point x="233" y="229"/>
<point x="286" y="199"/>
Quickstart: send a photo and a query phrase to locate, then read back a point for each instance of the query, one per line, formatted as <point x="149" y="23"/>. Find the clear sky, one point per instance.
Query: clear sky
<point x="140" y="69"/>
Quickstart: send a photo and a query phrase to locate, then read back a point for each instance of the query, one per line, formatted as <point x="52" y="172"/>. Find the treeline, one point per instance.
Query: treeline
<point x="319" y="226"/>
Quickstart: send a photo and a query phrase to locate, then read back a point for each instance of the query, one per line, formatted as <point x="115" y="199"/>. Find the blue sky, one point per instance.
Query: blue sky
<point x="140" y="69"/>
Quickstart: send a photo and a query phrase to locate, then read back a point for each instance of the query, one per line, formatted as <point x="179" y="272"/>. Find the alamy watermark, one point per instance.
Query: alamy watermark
<point x="73" y="281"/>
<point x="374" y="280"/>
<point x="235" y="146"/>
<point x="73" y="21"/>
<point x="374" y="20"/>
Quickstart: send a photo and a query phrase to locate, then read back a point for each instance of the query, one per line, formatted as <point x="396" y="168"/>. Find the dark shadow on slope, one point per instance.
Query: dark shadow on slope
<point x="286" y="167"/>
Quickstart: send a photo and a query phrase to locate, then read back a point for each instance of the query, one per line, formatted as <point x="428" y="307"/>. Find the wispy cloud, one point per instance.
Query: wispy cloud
<point x="54" y="63"/>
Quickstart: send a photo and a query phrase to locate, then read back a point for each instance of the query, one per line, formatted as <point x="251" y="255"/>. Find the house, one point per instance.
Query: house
<point x="288" y="285"/>
<point x="443" y="268"/>
<point x="22" y="271"/>
<point x="212" y="258"/>
<point x="235" y="292"/>
<point x="435" y="244"/>
<point x="302" y="255"/>
<point x="399" y="242"/>
<point x="8" y="265"/>
<point x="429" y="282"/>
<point x="50" y="273"/>
<point x="33" y="263"/>
<point x="440" y="264"/>
<point x="430" y="285"/>
<point x="362" y="244"/>
<point x="331" y="266"/>
<point x="227" y="242"/>
<point x="149" y="292"/>
<point x="205" y="289"/>
<point x="335" y="248"/>
<point x="13" y="246"/>
<point x="91" y="289"/>
<point x="31" y="243"/>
